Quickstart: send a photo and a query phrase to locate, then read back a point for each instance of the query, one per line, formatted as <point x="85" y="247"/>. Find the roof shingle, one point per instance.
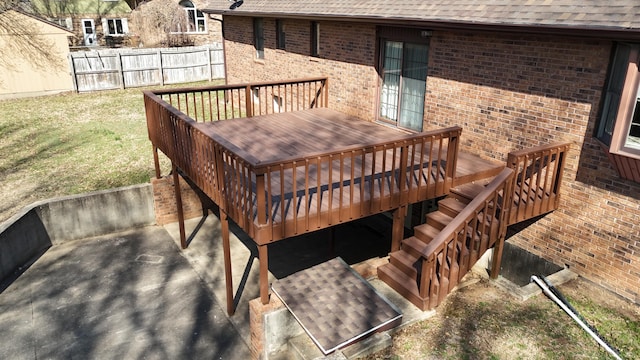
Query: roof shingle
<point x="617" y="15"/>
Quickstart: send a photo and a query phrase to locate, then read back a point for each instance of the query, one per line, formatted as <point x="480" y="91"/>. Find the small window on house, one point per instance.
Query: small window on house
<point x="194" y="18"/>
<point x="258" y="37"/>
<point x="63" y="22"/>
<point x="115" y="27"/>
<point x="280" y="35"/>
<point x="619" y="125"/>
<point x="315" y="38"/>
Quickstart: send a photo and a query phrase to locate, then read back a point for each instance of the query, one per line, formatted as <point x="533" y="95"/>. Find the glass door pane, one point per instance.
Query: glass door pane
<point x="414" y="82"/>
<point x="392" y="69"/>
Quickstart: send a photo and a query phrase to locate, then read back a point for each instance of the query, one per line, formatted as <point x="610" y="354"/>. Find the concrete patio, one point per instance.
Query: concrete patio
<point x="133" y="293"/>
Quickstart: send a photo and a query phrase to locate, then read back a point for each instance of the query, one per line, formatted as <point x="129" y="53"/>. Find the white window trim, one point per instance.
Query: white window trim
<point x="196" y="18"/>
<point x="105" y="26"/>
<point x="626" y="107"/>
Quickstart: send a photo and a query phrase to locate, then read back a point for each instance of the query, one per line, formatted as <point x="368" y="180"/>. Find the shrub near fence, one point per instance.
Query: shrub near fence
<point x="124" y="68"/>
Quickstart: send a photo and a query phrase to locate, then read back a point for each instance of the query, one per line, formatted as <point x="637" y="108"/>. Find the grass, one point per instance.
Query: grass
<point x="72" y="143"/>
<point x="483" y="322"/>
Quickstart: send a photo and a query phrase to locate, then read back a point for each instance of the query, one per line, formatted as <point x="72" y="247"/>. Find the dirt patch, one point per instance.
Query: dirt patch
<point x="482" y="321"/>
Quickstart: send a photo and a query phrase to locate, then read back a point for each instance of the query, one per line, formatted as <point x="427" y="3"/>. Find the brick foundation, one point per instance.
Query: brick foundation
<point x="256" y="323"/>
<point x="164" y="200"/>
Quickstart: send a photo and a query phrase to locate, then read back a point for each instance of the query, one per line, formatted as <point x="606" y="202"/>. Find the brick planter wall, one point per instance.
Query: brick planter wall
<point x="164" y="200"/>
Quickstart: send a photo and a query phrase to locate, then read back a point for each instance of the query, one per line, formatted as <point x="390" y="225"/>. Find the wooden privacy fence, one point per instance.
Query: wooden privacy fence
<point x="124" y="68"/>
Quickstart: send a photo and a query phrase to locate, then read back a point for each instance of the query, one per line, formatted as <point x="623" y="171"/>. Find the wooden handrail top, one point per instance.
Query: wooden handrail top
<point x="234" y="86"/>
<point x="540" y="148"/>
<point x="459" y="221"/>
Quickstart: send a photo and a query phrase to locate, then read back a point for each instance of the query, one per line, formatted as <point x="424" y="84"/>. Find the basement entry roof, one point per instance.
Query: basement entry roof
<point x="335" y="305"/>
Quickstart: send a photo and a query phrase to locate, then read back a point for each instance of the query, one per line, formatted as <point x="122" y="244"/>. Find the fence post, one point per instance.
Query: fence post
<point x="120" y="70"/>
<point x="160" y="71"/>
<point x="72" y="66"/>
<point x="209" y="70"/>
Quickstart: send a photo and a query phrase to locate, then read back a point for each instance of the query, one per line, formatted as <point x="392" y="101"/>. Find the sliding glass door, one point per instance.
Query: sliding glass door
<point x="404" y="76"/>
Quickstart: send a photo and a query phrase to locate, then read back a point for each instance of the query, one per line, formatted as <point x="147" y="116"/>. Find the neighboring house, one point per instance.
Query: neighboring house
<point x="33" y="57"/>
<point x="94" y="22"/>
<point x="174" y="23"/>
<point x="200" y="28"/>
<point x="513" y="75"/>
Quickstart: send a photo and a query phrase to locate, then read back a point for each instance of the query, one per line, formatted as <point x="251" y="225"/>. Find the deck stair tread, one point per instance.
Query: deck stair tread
<point x="451" y="206"/>
<point x="403" y="284"/>
<point x="406" y="262"/>
<point x="413" y="246"/>
<point x="471" y="190"/>
<point x="425" y="232"/>
<point x="438" y="219"/>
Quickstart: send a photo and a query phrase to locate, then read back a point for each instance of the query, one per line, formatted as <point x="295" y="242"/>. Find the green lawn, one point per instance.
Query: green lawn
<point x="72" y="143"/>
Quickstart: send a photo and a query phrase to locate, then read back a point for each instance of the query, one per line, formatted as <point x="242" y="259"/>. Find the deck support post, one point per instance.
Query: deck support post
<point x="397" y="228"/>
<point x="156" y="161"/>
<point x="176" y="187"/>
<point x="496" y="258"/>
<point x="263" y="258"/>
<point x="226" y="248"/>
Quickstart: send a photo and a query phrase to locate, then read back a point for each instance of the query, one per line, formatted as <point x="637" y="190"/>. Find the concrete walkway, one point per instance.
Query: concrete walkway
<point x="129" y="295"/>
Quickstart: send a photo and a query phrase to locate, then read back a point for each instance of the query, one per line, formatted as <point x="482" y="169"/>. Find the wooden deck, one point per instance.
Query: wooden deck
<point x="279" y="175"/>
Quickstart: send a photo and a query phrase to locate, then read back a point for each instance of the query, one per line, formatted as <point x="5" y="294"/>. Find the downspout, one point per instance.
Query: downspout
<point x="551" y="292"/>
<point x="224" y="52"/>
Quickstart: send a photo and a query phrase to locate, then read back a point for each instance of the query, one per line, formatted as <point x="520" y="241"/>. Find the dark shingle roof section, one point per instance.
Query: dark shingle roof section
<point x="617" y="15"/>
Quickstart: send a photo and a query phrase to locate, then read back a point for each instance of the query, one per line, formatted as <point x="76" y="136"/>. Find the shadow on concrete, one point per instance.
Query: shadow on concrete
<point x="126" y="295"/>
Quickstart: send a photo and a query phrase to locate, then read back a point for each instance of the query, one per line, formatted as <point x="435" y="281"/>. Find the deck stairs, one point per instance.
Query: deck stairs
<point x="405" y="268"/>
<point x="472" y="219"/>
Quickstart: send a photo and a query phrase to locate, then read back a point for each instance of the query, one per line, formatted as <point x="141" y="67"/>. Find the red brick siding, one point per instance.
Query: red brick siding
<point x="347" y="51"/>
<point x="164" y="200"/>
<point x="508" y="92"/>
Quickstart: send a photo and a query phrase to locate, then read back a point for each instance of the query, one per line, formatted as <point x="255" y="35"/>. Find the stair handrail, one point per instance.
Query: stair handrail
<point x="500" y="184"/>
<point x="460" y="220"/>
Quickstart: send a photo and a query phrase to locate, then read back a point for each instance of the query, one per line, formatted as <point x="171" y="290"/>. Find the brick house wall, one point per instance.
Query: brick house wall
<point x="508" y="92"/>
<point x="355" y="43"/>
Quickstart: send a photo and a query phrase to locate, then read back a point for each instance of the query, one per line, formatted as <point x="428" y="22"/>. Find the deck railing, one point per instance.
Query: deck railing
<point x="297" y="195"/>
<point x="225" y="102"/>
<point x="449" y="255"/>
<point x="537" y="180"/>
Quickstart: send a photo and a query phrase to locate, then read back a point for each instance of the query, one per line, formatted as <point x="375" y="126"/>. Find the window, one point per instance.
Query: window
<point x="280" y="35"/>
<point x="258" y="37"/>
<point x="195" y="20"/>
<point x="115" y="27"/>
<point x="63" y="22"/>
<point x="620" y="121"/>
<point x="315" y="38"/>
<point x="404" y="81"/>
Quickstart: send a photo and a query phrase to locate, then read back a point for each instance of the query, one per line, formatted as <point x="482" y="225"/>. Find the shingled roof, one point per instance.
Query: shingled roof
<point x="620" y="16"/>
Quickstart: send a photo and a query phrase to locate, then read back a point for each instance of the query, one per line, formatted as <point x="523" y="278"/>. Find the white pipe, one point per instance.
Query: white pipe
<point x="577" y="319"/>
